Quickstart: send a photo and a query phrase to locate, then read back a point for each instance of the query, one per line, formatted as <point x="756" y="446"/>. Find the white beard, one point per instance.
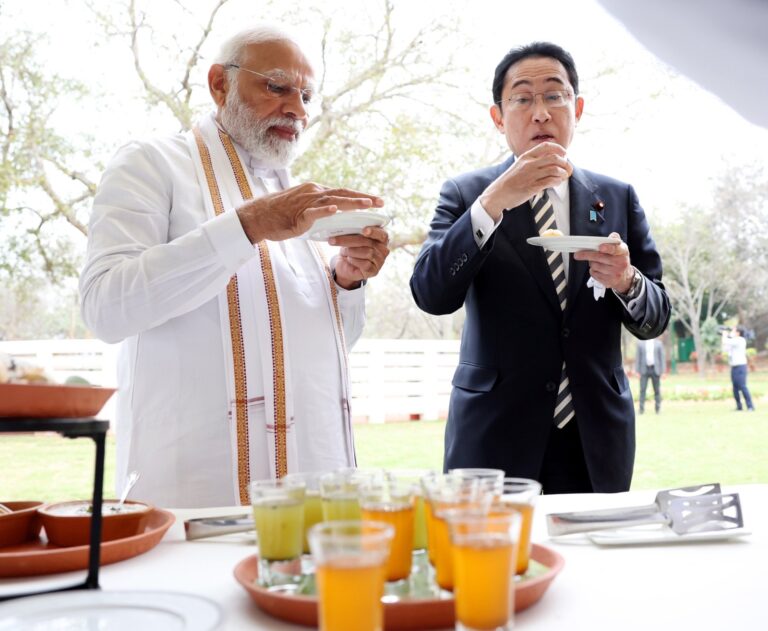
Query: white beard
<point x="253" y="134"/>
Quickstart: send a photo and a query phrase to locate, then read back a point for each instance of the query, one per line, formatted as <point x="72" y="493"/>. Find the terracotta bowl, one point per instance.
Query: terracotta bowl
<point x="20" y="525"/>
<point x="68" y="524"/>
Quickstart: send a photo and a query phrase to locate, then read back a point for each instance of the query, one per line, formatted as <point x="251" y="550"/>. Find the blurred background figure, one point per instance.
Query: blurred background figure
<point x="650" y="364"/>
<point x="736" y="346"/>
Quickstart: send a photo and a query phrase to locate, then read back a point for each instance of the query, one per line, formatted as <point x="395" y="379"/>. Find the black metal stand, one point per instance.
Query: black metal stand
<point x="73" y="428"/>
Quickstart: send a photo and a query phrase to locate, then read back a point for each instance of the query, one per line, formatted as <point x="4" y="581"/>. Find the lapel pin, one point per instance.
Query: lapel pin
<point x="597" y="210"/>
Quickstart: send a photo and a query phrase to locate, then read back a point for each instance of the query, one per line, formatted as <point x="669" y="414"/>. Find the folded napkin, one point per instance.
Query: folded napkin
<point x="598" y="289"/>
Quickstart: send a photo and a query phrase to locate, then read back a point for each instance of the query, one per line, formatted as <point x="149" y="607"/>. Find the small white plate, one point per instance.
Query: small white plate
<point x="572" y="244"/>
<point x="110" y="611"/>
<point x="652" y="535"/>
<point x="345" y="222"/>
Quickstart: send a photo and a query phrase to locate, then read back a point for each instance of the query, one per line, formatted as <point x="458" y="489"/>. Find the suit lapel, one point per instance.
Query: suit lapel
<point x="517" y="225"/>
<point x="583" y="197"/>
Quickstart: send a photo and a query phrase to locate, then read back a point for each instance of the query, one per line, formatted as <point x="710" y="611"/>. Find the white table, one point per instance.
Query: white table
<point x="696" y="586"/>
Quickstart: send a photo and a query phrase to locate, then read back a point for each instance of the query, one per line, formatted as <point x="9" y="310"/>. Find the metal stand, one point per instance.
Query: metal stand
<point x="73" y="428"/>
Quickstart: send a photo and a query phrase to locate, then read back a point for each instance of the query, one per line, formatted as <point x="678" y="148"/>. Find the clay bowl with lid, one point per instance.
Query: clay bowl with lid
<point x="22" y="523"/>
<point x="69" y="523"/>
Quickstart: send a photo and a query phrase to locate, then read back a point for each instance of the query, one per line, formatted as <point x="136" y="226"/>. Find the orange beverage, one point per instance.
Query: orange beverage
<point x="524" y="547"/>
<point x="443" y="554"/>
<point x="350" y="560"/>
<point x="430" y="519"/>
<point x="400" y="517"/>
<point x="350" y="595"/>
<point x="484" y="589"/>
<point x="521" y="494"/>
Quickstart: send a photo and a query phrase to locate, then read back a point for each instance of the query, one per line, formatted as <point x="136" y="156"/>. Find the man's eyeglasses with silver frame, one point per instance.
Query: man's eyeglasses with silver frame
<point x="277" y="88"/>
<point x="521" y="101"/>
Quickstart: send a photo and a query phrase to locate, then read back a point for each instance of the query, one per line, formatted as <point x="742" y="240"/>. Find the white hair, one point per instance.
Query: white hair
<point x="232" y="49"/>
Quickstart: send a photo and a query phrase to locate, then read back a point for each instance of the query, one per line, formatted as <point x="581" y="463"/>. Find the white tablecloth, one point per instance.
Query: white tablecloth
<point x="696" y="586"/>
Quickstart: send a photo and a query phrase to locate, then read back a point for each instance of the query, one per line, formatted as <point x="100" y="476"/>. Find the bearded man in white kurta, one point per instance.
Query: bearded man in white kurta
<point x="235" y="330"/>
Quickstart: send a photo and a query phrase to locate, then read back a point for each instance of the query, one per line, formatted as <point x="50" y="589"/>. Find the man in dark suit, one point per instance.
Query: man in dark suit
<point x="540" y="390"/>
<point x="650" y="364"/>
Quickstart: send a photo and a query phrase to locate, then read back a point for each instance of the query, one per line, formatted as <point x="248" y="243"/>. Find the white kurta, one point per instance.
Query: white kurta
<point x="155" y="269"/>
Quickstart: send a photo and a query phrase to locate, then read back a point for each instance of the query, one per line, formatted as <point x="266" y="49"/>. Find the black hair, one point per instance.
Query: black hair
<point x="534" y="49"/>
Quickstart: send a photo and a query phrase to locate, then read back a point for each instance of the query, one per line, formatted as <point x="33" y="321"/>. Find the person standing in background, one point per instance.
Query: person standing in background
<point x="650" y="364"/>
<point x="736" y="346"/>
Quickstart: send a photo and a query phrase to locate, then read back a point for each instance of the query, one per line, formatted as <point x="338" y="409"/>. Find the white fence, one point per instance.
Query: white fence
<point x="392" y="380"/>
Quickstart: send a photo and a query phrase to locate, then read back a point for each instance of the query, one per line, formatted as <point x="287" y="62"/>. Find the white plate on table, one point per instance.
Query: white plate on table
<point x="573" y="243"/>
<point x="656" y="534"/>
<point x="110" y="611"/>
<point x="345" y="222"/>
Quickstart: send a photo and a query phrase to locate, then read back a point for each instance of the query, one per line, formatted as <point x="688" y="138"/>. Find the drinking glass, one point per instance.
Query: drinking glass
<point x="484" y="553"/>
<point x="490" y="478"/>
<point x="448" y="492"/>
<point x="521" y="494"/>
<point x="413" y="477"/>
<point x="338" y="491"/>
<point x="391" y="502"/>
<point x="278" y="515"/>
<point x="350" y="560"/>
<point x="313" y="508"/>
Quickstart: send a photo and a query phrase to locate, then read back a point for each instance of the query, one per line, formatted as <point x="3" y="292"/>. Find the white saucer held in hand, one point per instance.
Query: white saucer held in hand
<point x="345" y="222"/>
<point x="573" y="243"/>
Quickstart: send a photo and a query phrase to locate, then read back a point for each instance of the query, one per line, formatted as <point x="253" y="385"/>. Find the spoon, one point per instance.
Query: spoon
<point x="133" y="477"/>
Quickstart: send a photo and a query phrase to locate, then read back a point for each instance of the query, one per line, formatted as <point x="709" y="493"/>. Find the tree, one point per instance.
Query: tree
<point x="37" y="165"/>
<point x="741" y="200"/>
<point x="375" y="130"/>
<point x="700" y="274"/>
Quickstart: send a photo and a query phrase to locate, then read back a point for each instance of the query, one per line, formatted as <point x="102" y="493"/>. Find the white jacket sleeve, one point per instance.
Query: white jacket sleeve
<point x="152" y="252"/>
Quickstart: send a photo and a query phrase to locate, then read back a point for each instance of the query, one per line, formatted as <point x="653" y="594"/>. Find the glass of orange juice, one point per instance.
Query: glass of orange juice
<point x="521" y="494"/>
<point x="350" y="560"/>
<point x="413" y="477"/>
<point x="448" y="492"/>
<point x="278" y="515"/>
<point x="490" y="479"/>
<point x="391" y="501"/>
<point x="484" y="549"/>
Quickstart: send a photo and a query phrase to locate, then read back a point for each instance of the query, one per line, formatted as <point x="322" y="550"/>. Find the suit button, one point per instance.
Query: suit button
<point x="566" y="333"/>
<point x="464" y="258"/>
<point x="551" y="386"/>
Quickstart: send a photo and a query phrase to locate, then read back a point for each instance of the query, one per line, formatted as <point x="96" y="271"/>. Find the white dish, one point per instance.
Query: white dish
<point x="110" y="611"/>
<point x="652" y="535"/>
<point x="345" y="222"/>
<point x="571" y="244"/>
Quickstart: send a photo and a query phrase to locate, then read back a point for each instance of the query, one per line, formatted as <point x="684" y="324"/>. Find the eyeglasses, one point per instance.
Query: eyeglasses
<point x="276" y="88"/>
<point x="522" y="101"/>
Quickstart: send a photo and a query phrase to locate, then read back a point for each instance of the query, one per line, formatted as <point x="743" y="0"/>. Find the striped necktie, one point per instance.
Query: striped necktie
<point x="544" y="217"/>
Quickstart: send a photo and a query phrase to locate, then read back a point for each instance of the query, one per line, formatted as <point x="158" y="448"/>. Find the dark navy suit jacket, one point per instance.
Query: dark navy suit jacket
<point x="515" y="336"/>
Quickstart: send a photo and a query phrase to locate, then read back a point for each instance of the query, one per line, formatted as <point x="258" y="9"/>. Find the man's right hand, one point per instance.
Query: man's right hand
<point x="290" y="213"/>
<point x="543" y="166"/>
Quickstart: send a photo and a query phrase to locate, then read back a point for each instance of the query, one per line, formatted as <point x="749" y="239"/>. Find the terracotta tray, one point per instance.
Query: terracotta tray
<point x="436" y="613"/>
<point x="51" y="401"/>
<point x="40" y="557"/>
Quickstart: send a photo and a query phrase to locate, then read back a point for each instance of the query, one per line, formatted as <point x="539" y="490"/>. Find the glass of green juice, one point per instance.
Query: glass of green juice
<point x="278" y="514"/>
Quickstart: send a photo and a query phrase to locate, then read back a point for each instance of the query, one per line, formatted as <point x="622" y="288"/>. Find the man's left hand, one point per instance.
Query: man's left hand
<point x="361" y="256"/>
<point x="610" y="266"/>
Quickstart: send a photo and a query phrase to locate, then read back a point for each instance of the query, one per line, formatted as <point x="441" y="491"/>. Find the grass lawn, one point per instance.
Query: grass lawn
<point x="690" y="442"/>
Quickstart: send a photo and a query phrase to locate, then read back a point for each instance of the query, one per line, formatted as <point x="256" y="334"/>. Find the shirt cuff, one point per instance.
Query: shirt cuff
<point x="636" y="306"/>
<point x="229" y="240"/>
<point x="482" y="223"/>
